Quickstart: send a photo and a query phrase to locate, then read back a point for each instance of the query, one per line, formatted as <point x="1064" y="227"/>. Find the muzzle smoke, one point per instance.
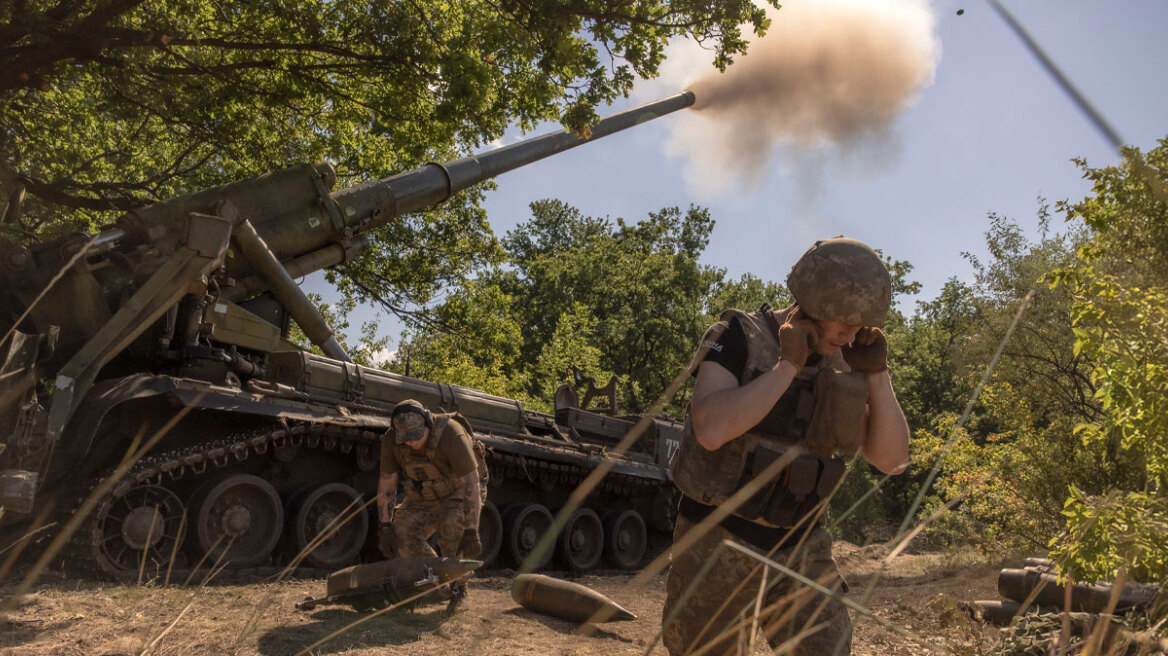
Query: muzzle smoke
<point x="827" y="72"/>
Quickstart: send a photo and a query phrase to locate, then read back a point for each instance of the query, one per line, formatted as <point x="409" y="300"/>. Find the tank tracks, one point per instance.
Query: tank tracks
<point x="89" y="550"/>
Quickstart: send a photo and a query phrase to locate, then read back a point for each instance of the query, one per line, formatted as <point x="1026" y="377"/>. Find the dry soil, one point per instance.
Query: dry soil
<point x="917" y="593"/>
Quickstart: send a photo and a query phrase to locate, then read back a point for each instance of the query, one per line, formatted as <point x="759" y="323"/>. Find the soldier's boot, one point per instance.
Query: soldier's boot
<point x="457" y="597"/>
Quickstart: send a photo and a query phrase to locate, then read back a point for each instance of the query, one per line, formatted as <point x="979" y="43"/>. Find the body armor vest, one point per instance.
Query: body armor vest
<point x="425" y="479"/>
<point x="821" y="412"/>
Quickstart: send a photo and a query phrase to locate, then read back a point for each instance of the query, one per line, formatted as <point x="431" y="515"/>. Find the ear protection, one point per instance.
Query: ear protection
<point x="415" y="407"/>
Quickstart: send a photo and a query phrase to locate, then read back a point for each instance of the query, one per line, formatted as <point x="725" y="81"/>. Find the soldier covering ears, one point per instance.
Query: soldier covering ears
<point x="778" y="393"/>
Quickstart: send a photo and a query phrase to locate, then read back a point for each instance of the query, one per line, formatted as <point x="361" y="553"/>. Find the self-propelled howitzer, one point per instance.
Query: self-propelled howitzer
<point x="170" y="327"/>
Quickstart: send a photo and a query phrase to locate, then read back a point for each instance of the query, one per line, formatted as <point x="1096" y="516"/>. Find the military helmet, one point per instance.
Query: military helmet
<point x="843" y="280"/>
<point x="410" y="420"/>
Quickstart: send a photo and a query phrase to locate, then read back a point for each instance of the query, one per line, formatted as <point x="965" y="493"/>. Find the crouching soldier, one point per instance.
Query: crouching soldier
<point x="434" y="457"/>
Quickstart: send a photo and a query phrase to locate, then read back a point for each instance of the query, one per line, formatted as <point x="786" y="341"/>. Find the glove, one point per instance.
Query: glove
<point x="470" y="546"/>
<point x="387" y="540"/>
<point x="797" y="338"/>
<point x="868" y="352"/>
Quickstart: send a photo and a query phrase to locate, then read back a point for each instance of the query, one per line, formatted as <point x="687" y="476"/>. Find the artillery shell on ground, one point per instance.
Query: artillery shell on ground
<point x="1020" y="584"/>
<point x="565" y="600"/>
<point x="380" y="584"/>
<point x="1039" y="564"/>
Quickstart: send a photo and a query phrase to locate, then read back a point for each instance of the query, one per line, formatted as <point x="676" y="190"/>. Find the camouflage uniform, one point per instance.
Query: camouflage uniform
<point x="720" y="607"/>
<point x="417" y="519"/>
<point x="434" y="501"/>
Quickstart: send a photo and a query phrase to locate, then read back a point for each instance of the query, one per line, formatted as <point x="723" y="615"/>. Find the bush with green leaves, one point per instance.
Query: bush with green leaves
<point x="1121" y="323"/>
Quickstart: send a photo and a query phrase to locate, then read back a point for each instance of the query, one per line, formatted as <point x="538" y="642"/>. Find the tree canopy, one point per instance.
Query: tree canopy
<point x="578" y="293"/>
<point x="1066" y="448"/>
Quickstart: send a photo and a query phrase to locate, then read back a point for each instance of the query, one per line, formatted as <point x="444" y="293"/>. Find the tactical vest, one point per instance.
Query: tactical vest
<point x="821" y="412"/>
<point x="426" y="481"/>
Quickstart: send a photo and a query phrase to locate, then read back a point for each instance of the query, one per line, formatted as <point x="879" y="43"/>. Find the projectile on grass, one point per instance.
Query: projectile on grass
<point x="380" y="584"/>
<point x="565" y="600"/>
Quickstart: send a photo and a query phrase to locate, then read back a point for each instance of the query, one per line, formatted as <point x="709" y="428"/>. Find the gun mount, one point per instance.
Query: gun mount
<point x="173" y="323"/>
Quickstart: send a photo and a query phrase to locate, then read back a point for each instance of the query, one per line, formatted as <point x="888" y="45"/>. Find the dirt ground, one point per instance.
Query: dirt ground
<point x="917" y="593"/>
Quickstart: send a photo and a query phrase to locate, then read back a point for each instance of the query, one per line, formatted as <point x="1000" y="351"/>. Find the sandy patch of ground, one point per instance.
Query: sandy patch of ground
<point x="916" y="593"/>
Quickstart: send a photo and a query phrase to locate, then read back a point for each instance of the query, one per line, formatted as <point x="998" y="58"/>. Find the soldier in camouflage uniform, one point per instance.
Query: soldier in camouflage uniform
<point x="433" y="455"/>
<point x="777" y="395"/>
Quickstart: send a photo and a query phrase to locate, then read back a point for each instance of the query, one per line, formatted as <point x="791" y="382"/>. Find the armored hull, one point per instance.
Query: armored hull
<point x="281" y="472"/>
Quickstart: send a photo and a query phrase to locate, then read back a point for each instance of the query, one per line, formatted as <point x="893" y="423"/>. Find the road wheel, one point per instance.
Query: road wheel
<point x="139" y="530"/>
<point x="490" y="533"/>
<point x="238" y="520"/>
<point x="523" y="527"/>
<point x="317" y="513"/>
<point x="625" y="538"/>
<point x="581" y="543"/>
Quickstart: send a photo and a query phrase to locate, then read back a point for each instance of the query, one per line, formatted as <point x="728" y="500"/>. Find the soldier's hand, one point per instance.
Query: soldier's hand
<point x="470" y="546"/>
<point x="387" y="540"/>
<point x="868" y="352"/>
<point x="797" y="338"/>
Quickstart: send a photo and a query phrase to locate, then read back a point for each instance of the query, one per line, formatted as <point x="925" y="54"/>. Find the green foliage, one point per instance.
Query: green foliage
<point x="857" y="516"/>
<point x="1006" y="487"/>
<point x="923" y="352"/>
<point x="1038" y="361"/>
<point x="479" y="346"/>
<point x="1007" y="471"/>
<point x="1070" y="437"/>
<point x="592" y="295"/>
<point x="1120" y="316"/>
<point x="571" y="349"/>
<point x="183" y="92"/>
<point x="748" y="293"/>
<point x="1118" y="531"/>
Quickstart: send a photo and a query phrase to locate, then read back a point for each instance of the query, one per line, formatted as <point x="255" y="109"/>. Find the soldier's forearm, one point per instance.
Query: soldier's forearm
<point x="721" y="410"/>
<point x="887" y="437"/>
<point x="474" y="501"/>
<point x="386" y="490"/>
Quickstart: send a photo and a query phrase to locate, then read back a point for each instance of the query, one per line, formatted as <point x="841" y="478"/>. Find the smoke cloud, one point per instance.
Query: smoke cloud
<point x="827" y="73"/>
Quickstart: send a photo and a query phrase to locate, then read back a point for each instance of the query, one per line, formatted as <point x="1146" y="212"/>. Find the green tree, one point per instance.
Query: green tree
<point x="1010" y="466"/>
<point x="478" y="345"/>
<point x="641" y="282"/>
<point x="571" y="349"/>
<point x="923" y="356"/>
<point x="1071" y="429"/>
<point x="1038" y="359"/>
<point x="600" y="296"/>
<point x="114" y="104"/>
<point x="1120" y="315"/>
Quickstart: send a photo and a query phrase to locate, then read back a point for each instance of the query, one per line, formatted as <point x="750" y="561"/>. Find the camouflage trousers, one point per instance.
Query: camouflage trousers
<point x="715" y="613"/>
<point x="417" y="519"/>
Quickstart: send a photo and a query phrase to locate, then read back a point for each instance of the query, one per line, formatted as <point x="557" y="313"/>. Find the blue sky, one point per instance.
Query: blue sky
<point x="991" y="133"/>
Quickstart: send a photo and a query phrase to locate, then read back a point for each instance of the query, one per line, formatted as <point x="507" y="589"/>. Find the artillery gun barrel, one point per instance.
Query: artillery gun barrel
<point x="324" y="237"/>
<point x="435" y="183"/>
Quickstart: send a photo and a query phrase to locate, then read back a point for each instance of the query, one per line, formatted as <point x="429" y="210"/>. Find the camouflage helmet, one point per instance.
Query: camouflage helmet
<point x="410" y="420"/>
<point x="843" y="280"/>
